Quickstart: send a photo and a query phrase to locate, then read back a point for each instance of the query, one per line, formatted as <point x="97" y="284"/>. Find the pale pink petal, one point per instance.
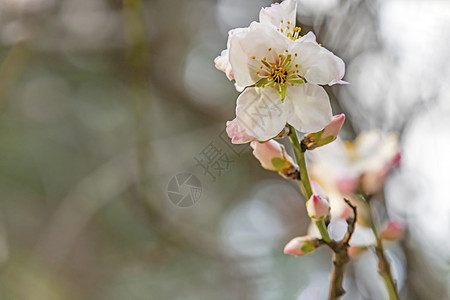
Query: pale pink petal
<point x="222" y="63"/>
<point x="261" y="113"/>
<point x="237" y="133"/>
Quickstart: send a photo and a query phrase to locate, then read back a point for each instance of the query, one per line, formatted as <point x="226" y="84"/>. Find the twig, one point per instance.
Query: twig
<point x="351" y="223"/>
<point x="340" y="248"/>
<point x="340" y="257"/>
<point x="340" y="260"/>
<point x="384" y="268"/>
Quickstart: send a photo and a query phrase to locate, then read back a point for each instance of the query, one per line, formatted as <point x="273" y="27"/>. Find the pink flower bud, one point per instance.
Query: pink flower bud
<point x="326" y="135"/>
<point x="317" y="207"/>
<point x="392" y="230"/>
<point x="272" y="155"/>
<point x="300" y="246"/>
<point x="334" y="127"/>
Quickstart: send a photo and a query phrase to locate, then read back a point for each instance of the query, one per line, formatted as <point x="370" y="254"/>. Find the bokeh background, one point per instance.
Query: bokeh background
<point x="103" y="102"/>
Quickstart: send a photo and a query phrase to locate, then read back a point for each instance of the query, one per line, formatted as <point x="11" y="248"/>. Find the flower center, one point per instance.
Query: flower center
<point x="279" y="75"/>
<point x="279" y="72"/>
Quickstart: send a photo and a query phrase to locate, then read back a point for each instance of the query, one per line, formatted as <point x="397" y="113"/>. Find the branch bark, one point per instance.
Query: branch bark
<point x="341" y="258"/>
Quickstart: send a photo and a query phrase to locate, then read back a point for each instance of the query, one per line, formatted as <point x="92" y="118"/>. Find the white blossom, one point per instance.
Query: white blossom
<point x="281" y="72"/>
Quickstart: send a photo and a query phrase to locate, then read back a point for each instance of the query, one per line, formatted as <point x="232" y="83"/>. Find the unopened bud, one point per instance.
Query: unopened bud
<point x="272" y="155"/>
<point x="317" y="207"/>
<point x="326" y="135"/>
<point x="392" y="231"/>
<point x="301" y="245"/>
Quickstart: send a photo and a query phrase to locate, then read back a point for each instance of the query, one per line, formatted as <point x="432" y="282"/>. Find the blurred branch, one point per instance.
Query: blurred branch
<point x="384" y="267"/>
<point x="138" y="65"/>
<point x="89" y="196"/>
<point x="12" y="67"/>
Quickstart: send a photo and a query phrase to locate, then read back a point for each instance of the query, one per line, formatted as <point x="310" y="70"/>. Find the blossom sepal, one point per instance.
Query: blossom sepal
<point x="300" y="246"/>
<point x="326" y="135"/>
<point x="291" y="173"/>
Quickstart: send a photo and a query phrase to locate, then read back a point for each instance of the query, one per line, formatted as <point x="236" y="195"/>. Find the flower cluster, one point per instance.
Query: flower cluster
<point x="280" y="74"/>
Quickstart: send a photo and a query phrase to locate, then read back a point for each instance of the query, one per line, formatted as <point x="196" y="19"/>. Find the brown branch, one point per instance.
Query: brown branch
<point x="351" y="223"/>
<point x="341" y="258"/>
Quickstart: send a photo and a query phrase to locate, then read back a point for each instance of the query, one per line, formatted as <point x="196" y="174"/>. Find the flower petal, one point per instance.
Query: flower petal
<point x="309" y="37"/>
<point x="309" y="107"/>
<point x="261" y="113"/>
<point x="285" y="11"/>
<point x="222" y="62"/>
<point x="249" y="46"/>
<point x="317" y="64"/>
<point x="237" y="133"/>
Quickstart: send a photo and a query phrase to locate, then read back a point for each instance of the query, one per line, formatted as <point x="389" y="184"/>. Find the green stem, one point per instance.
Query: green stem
<point x="323" y="231"/>
<point x="300" y="156"/>
<point x="305" y="184"/>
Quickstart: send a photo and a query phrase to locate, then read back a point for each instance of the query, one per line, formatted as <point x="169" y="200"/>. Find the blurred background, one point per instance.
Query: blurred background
<point x="107" y="106"/>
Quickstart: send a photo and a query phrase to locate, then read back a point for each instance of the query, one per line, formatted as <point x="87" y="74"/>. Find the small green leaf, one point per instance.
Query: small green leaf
<point x="280" y="164"/>
<point x="316" y="135"/>
<point x="306" y="248"/>
<point x="326" y="140"/>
